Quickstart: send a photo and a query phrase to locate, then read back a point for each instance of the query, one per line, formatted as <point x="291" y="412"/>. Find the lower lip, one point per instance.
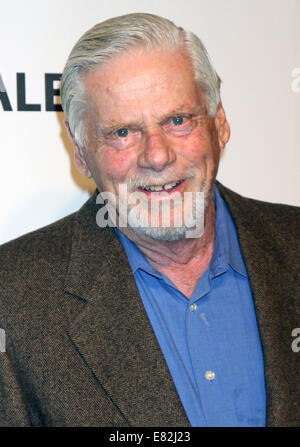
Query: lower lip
<point x="164" y="192"/>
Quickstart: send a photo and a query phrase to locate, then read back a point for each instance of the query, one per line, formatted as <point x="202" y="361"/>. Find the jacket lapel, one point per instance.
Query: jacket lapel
<point x="113" y="332"/>
<point x="270" y="267"/>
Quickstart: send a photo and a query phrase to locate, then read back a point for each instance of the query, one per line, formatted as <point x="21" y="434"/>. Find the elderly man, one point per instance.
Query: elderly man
<point x="143" y="323"/>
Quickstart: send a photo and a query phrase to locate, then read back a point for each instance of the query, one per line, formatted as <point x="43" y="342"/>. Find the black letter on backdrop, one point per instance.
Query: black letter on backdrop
<point x="51" y="92"/>
<point x="21" y="97"/>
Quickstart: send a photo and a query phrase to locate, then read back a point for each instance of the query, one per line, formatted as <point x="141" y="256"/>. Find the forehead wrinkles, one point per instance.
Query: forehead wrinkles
<point x="137" y="100"/>
<point x="132" y="89"/>
<point x="140" y="83"/>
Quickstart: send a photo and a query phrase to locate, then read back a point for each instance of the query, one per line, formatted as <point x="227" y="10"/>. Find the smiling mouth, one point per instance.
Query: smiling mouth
<point x="168" y="187"/>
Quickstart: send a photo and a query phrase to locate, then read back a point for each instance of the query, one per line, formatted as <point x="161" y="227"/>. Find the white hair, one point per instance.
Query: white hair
<point x="118" y="35"/>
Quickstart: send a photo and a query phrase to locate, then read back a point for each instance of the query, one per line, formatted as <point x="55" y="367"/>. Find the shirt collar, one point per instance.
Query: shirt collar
<point x="226" y="249"/>
<point x="136" y="258"/>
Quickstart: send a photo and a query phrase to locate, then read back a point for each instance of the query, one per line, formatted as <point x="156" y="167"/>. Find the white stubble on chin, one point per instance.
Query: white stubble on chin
<point x="139" y="218"/>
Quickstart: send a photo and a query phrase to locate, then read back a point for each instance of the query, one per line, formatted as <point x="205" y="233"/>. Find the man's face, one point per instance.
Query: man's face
<point x="148" y="128"/>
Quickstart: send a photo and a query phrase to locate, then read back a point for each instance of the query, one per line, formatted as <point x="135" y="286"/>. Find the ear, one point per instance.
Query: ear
<point x="79" y="156"/>
<point x="222" y="126"/>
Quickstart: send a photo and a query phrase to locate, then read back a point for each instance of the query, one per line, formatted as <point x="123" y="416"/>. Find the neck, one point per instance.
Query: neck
<point x="184" y="260"/>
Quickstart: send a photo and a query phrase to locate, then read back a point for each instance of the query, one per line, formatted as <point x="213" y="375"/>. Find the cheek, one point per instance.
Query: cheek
<point x="115" y="164"/>
<point x="198" y="147"/>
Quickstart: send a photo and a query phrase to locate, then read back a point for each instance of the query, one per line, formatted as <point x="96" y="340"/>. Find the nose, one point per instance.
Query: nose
<point x="156" y="153"/>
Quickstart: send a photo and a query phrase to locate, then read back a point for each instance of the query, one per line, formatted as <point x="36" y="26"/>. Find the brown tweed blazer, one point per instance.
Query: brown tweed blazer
<point x="80" y="350"/>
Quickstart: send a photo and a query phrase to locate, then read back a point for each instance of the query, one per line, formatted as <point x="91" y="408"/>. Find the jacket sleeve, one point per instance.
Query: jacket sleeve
<point x="13" y="411"/>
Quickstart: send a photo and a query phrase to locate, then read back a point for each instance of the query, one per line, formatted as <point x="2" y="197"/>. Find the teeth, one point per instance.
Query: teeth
<point x="154" y="188"/>
<point x="170" y="185"/>
<point x="159" y="188"/>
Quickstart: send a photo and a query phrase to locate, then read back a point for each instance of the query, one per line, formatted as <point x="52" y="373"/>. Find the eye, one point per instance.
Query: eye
<point x="178" y="120"/>
<point x="179" y="126"/>
<point x="122" y="133"/>
<point x="123" y="138"/>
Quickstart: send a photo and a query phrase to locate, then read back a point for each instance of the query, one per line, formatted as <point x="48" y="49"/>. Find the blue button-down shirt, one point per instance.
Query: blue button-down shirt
<point x="211" y="341"/>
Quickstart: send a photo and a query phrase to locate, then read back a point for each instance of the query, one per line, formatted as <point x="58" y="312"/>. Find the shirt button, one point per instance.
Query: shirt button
<point x="210" y="375"/>
<point x="193" y="307"/>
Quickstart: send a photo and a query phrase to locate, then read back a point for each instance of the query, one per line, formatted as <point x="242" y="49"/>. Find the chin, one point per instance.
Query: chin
<point x="161" y="234"/>
<point x="171" y="233"/>
<point x="179" y="228"/>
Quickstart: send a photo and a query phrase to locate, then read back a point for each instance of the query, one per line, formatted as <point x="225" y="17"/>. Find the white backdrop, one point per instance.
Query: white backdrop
<point x="254" y="45"/>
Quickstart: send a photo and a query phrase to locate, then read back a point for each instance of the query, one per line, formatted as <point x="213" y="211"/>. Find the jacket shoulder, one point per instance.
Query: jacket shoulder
<point x="285" y="218"/>
<point x="33" y="262"/>
<point x="37" y="245"/>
